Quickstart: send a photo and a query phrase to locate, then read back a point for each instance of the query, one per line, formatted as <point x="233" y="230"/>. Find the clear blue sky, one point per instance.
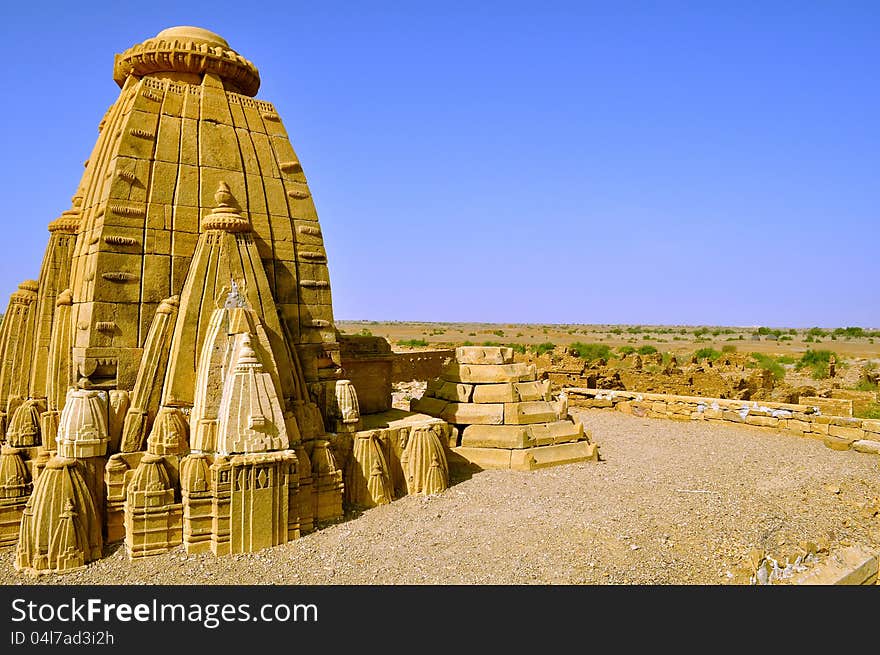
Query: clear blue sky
<point x="582" y="162"/>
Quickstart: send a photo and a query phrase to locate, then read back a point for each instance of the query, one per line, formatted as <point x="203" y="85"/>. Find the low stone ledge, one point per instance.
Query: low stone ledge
<point x="836" y="432"/>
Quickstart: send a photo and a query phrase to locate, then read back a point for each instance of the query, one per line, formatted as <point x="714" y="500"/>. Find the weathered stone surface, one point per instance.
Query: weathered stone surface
<point x="484" y="355"/>
<point x="538" y="390"/>
<point x="538" y="411"/>
<point x="544" y="434"/>
<point x="497" y="436"/>
<point x="470" y="413"/>
<point x="871" y="425"/>
<point x="489" y="373"/>
<point x="855" y="565"/>
<point x="429" y="406"/>
<point x="829" y="406"/>
<point x="867" y="446"/>
<point x="504" y="392"/>
<point x="763" y="421"/>
<point x="837" y="443"/>
<point x="544" y="456"/>
<point x="483" y="458"/>
<point x="852" y="434"/>
<point x="456" y="392"/>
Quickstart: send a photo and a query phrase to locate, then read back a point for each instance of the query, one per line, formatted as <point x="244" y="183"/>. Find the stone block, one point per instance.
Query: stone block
<point x="472" y="413"/>
<point x="489" y="373"/>
<point x="828" y="406"/>
<point x="504" y="392"/>
<point x="867" y="446"/>
<point x="455" y="392"/>
<point x="794" y="424"/>
<point x="538" y="411"/>
<point x="538" y="390"/>
<point x="713" y="414"/>
<point x="734" y="417"/>
<point x="837" y="443"/>
<point x="846" y="421"/>
<point x="853" y="434"/>
<point x="484" y="458"/>
<point x="497" y="436"/>
<point x="871" y="425"/>
<point x="430" y="406"/>
<point x="544" y="456"/>
<point x="818" y="428"/>
<point x="544" y="434"/>
<point x="658" y="407"/>
<point x="484" y="355"/>
<point x="763" y="421"/>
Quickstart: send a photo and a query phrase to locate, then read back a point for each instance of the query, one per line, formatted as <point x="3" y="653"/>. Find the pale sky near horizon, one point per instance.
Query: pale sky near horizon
<point x="556" y="162"/>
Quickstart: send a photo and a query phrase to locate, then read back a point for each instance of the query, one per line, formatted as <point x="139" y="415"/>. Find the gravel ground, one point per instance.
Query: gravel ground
<point x="671" y="503"/>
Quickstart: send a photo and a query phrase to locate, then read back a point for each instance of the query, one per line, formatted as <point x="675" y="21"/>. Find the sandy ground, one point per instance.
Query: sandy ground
<point x="672" y="503"/>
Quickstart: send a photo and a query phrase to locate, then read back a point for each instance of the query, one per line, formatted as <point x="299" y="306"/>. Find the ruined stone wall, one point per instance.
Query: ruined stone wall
<point x="836" y="432"/>
<point x="422" y="365"/>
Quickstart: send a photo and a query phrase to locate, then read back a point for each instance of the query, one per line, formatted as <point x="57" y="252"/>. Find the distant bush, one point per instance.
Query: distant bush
<point x="491" y="343"/>
<point x="785" y="337"/>
<point x="591" y="351"/>
<point x="817" y="361"/>
<point x="812" y="357"/>
<point x="647" y="350"/>
<point x="701" y="331"/>
<point x="413" y="343"/>
<point x="365" y="333"/>
<point x="786" y="359"/>
<point x="707" y="353"/>
<point x="545" y="347"/>
<point x="467" y="343"/>
<point x="852" y="332"/>
<point x="498" y="333"/>
<point x="626" y="350"/>
<point x="769" y="364"/>
<point x="728" y="348"/>
<point x="517" y="348"/>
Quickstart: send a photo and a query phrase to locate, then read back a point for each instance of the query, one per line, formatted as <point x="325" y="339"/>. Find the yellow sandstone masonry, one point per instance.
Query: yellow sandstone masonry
<point x="174" y="375"/>
<point x="511" y="421"/>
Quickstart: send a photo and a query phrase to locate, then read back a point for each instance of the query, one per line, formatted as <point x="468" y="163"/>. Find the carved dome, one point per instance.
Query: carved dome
<point x="187" y="49"/>
<point x="194" y="474"/>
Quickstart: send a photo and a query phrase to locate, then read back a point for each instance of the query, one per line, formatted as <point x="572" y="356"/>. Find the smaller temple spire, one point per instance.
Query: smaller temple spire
<point x="227" y="214"/>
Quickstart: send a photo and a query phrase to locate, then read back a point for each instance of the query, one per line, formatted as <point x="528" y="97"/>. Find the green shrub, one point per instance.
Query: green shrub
<point x="866" y="385"/>
<point x="813" y="357"/>
<point x="517" y="348"/>
<point x="491" y="343"/>
<point x="728" y="348"/>
<point x="707" y="353"/>
<point x="786" y="359"/>
<point x="545" y="347"/>
<point x="498" y="333"/>
<point x="365" y="333"/>
<point x="591" y="351"/>
<point x="626" y="350"/>
<point x="467" y="343"/>
<point x="647" y="350"/>
<point x="769" y="364"/>
<point x="871" y="411"/>
<point x="413" y="343"/>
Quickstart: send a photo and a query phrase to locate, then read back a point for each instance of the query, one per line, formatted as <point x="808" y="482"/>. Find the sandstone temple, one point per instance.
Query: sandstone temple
<point x="174" y="376"/>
